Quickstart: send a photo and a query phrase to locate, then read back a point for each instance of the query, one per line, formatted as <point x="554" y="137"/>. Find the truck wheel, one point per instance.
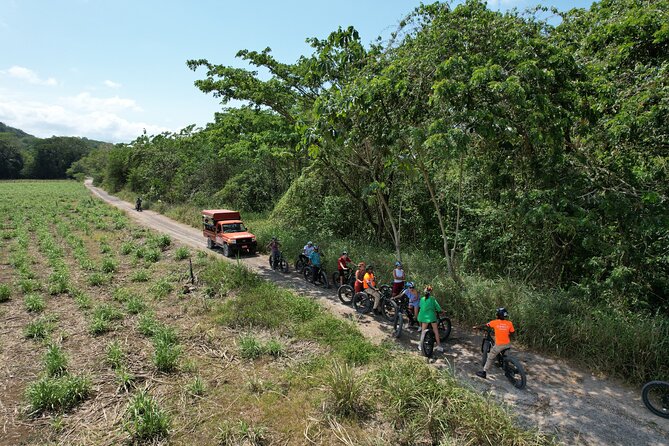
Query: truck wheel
<point x="210" y="244"/>
<point x="226" y="250"/>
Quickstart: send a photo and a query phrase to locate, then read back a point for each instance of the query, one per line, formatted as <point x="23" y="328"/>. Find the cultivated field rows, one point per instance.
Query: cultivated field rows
<point x="105" y="340"/>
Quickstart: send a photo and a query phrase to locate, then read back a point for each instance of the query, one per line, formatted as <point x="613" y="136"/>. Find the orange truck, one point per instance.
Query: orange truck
<point x="225" y="229"/>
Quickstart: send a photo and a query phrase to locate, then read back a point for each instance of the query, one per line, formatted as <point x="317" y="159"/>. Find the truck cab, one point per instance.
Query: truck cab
<point x="225" y="229"/>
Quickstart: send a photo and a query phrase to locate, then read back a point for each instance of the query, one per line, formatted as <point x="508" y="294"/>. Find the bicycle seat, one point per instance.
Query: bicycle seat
<point x="504" y="350"/>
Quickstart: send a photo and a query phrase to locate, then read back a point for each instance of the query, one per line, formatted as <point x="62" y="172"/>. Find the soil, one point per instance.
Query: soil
<point x="560" y="398"/>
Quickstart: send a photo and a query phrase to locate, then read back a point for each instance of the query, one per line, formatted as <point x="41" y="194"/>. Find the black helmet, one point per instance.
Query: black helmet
<point x="370" y="266"/>
<point x="274" y="238"/>
<point x="502" y="313"/>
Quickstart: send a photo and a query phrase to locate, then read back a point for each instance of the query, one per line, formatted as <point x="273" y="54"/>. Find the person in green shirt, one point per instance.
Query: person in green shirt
<point x="429" y="315"/>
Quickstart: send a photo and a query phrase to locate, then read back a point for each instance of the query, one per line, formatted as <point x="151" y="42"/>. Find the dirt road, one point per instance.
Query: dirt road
<point x="560" y="399"/>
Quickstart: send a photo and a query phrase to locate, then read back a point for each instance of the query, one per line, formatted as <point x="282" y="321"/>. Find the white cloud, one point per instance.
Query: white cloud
<point x="112" y="84"/>
<point x="69" y="119"/>
<point x="84" y="101"/>
<point x="28" y="75"/>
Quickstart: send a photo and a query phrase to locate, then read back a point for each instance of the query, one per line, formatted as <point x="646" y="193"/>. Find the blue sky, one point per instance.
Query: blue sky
<point x="107" y="69"/>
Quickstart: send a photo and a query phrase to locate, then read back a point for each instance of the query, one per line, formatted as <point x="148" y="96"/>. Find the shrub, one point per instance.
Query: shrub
<point x="167" y="352"/>
<point x="161" y="288"/>
<point x="141" y="275"/>
<point x="127" y="248"/>
<point x="249" y="347"/>
<point x="98" y="279"/>
<point x="196" y="387"/>
<point x="135" y="305"/>
<point x="39" y="329"/>
<point x="181" y="253"/>
<point x="161" y="241"/>
<point x="145" y="420"/>
<point x="34" y="303"/>
<point x="55" y="361"/>
<point x="345" y="392"/>
<point x="5" y="292"/>
<point x="29" y="285"/>
<point x="60" y="393"/>
<point x="152" y="255"/>
<point x="124" y="379"/>
<point x="109" y="265"/>
<point x="147" y="324"/>
<point x="115" y="355"/>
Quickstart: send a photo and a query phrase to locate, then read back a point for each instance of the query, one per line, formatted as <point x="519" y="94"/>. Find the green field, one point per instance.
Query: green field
<point x="103" y="344"/>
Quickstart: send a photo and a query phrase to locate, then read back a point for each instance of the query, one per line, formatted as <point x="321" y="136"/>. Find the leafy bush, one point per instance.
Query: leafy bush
<point x="145" y="420"/>
<point x="141" y="275"/>
<point x="182" y="253"/>
<point x="55" y="361"/>
<point x="34" y="303"/>
<point x="346" y="392"/>
<point x="59" y="393"/>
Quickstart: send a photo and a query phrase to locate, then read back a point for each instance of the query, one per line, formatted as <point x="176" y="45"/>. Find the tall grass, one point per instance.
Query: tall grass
<point x="5" y="292"/>
<point x="144" y="420"/>
<point x="59" y="393"/>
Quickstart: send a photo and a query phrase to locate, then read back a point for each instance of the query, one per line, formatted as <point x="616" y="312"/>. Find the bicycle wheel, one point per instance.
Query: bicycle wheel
<point x="271" y="261"/>
<point x="514" y="372"/>
<point x="362" y="303"/>
<point x="283" y="265"/>
<point x="445" y="328"/>
<point x="335" y="278"/>
<point x="299" y="264"/>
<point x="428" y="343"/>
<point x="345" y="293"/>
<point x="655" y="395"/>
<point x="398" y="324"/>
<point x="485" y="349"/>
<point x="389" y="309"/>
<point x="324" y="280"/>
<point x="308" y="275"/>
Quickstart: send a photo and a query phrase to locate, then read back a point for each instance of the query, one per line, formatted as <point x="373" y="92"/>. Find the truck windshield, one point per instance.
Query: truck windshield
<point x="234" y="227"/>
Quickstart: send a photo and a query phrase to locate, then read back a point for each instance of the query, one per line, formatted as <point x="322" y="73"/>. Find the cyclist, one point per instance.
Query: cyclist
<point x="342" y="266"/>
<point x="138" y="204"/>
<point x="369" y="285"/>
<point x="274" y="246"/>
<point x="503" y="328"/>
<point x="315" y="262"/>
<point x="360" y="278"/>
<point x="306" y="252"/>
<point x="398" y="279"/>
<point x="414" y="301"/>
<point x="429" y="315"/>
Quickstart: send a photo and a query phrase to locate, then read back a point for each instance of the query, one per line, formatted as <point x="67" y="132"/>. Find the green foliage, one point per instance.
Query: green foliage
<point x="145" y="420"/>
<point x="55" y="361"/>
<point x="196" y="387"/>
<point x="115" y="355"/>
<point x="346" y="392"/>
<point x="57" y="393"/>
<point x="241" y="432"/>
<point x="34" y="303"/>
<point x="182" y="253"/>
<point x="5" y="292"/>
<point x="39" y="329"/>
<point x="141" y="275"/>
<point x="135" y="305"/>
<point x="166" y="351"/>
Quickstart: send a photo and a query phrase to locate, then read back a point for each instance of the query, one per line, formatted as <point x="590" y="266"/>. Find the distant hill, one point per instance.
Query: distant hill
<point x="26" y="156"/>
<point x="16" y="137"/>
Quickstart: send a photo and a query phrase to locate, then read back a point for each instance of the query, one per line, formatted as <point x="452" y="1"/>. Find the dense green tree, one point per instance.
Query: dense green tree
<point x="11" y="161"/>
<point x="53" y="156"/>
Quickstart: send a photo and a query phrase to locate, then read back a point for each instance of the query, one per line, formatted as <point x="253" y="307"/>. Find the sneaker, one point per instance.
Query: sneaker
<point x="439" y="349"/>
<point x="420" y="347"/>
<point x="482" y="374"/>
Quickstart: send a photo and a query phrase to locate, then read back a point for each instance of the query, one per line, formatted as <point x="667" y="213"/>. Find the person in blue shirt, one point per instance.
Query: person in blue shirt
<point x="315" y="261"/>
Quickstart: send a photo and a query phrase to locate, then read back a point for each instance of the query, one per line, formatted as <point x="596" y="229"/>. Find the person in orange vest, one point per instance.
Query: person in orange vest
<point x="503" y="329"/>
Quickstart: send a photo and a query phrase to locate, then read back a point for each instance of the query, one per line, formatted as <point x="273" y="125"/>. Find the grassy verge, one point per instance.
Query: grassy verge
<point x="619" y="343"/>
<point x="357" y="383"/>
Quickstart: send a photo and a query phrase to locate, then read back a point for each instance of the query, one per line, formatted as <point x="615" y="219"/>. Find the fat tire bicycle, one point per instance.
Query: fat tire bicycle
<point x="655" y="395"/>
<point x="364" y="303"/>
<point x="444" y="325"/>
<point x="281" y="263"/>
<point x="512" y="368"/>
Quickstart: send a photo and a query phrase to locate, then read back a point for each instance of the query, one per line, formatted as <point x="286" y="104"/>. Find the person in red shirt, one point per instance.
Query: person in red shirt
<point x="503" y="328"/>
<point x="360" y="278"/>
<point x="342" y="266"/>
